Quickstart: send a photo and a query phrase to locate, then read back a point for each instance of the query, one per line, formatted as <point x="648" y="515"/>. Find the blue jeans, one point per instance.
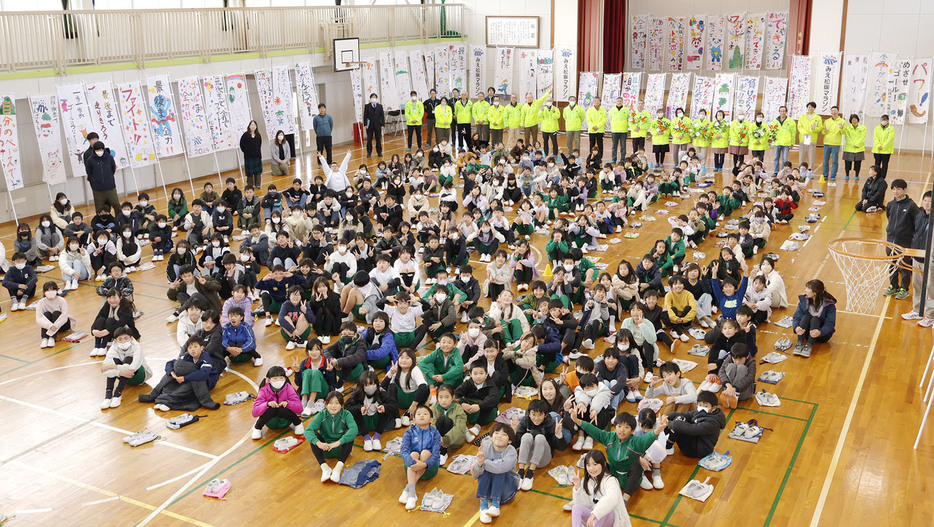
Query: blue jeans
<point x="288" y="263"/>
<point x="618" y="398"/>
<point x="301" y="201"/>
<point x="566" y="433"/>
<point x="80" y="272"/>
<point x="500" y="487"/>
<point x="831" y="151"/>
<point x="781" y="156"/>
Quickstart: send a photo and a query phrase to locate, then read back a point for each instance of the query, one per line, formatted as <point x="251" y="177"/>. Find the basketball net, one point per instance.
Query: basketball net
<point x="866" y="266"/>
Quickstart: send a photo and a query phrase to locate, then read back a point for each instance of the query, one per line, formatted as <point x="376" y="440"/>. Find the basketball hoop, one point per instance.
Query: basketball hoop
<point x="353" y="65"/>
<point x="866" y="265"/>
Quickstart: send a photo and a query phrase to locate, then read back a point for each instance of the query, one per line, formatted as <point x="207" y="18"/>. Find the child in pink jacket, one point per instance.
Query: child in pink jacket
<point x="276" y="402"/>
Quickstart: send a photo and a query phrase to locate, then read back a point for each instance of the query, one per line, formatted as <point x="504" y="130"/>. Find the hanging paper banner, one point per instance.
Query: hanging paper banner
<point x="387" y="80"/>
<point x="238" y="102"/>
<point x="218" y="115"/>
<point x="9" y="145"/>
<point x="828" y="77"/>
<point x="356" y="91"/>
<point x="899" y="94"/>
<point x="694" y="43"/>
<point x="775" y="40"/>
<point x="639" y="36"/>
<point x="45" y="120"/>
<point x="701" y="96"/>
<point x="736" y="41"/>
<point x="442" y="71"/>
<point x="307" y="94"/>
<point x="723" y="94"/>
<point x="163" y="118"/>
<point x="855" y="75"/>
<point x="655" y="92"/>
<point x="747" y="93"/>
<point x="657" y="33"/>
<point x="429" y="70"/>
<point x="267" y="104"/>
<point x="198" y="139"/>
<point x="587" y="91"/>
<point x="716" y="25"/>
<point x="610" y="91"/>
<point x="458" y="56"/>
<point x="678" y="93"/>
<point x="76" y="121"/>
<point x="629" y="90"/>
<point x="675" y="43"/>
<point x="419" y="78"/>
<point x="776" y="89"/>
<point x="371" y="78"/>
<point x="755" y="41"/>
<point x="136" y="127"/>
<point x="546" y="72"/>
<point x="105" y="116"/>
<point x="799" y="85"/>
<point x="528" y="73"/>
<point x="282" y="96"/>
<point x="503" y="80"/>
<point x="477" y="70"/>
<point x="880" y="73"/>
<point x="919" y="92"/>
<point x="564" y="74"/>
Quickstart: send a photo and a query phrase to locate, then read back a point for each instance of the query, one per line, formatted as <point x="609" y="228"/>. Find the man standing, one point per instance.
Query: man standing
<point x="323" y="125"/>
<point x="100" y="168"/>
<point x="496" y="116"/>
<point x="463" y="113"/>
<point x="530" y="118"/>
<point x="430" y="104"/>
<point x="810" y="126"/>
<point x="414" y="111"/>
<point x="596" y="125"/>
<point x="833" y="136"/>
<point x="573" y="120"/>
<point x="513" y="116"/>
<point x="479" y="110"/>
<point x="639" y="122"/>
<point x="374" y="119"/>
<point x="883" y="144"/>
<point x="784" y="137"/>
<point x="550" y="115"/>
<point x="619" y="127"/>
<point x="92" y="139"/>
<point x="901" y="213"/>
<point x="455" y="140"/>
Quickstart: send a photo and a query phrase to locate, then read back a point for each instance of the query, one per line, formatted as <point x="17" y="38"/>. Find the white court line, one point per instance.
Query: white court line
<point x="176" y="478"/>
<point x="98" y="502"/>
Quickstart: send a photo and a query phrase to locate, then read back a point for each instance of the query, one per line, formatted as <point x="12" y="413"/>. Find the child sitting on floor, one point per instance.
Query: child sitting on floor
<point x="276" y="401"/>
<point x="331" y="434"/>
<point x="124" y="365"/>
<point x="372" y="408"/>
<point x="696" y="432"/>
<point x="495" y="471"/>
<point x="420" y="452"/>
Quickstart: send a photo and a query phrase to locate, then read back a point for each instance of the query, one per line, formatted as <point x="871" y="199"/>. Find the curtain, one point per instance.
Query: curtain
<point x="614" y="36"/>
<point x="799" y="26"/>
<point x="589" y="35"/>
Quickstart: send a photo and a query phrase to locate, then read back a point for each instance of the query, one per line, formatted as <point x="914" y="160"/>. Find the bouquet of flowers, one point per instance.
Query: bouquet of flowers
<point x="641" y="120"/>
<point x="743" y="133"/>
<point x="758" y="132"/>
<point x="773" y="131"/>
<point x="719" y="128"/>
<point x="663" y="125"/>
<point x="701" y="131"/>
<point x="682" y="128"/>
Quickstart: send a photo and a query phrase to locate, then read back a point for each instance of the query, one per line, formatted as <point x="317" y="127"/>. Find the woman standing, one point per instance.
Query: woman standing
<point x="854" y="146"/>
<point x="251" y="143"/>
<point x="281" y="154"/>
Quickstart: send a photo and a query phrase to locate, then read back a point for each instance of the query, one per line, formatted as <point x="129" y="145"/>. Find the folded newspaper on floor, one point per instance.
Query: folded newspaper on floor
<point x="461" y="464"/>
<point x="697" y="490"/>
<point x="436" y="501"/>
<point x="526" y="392"/>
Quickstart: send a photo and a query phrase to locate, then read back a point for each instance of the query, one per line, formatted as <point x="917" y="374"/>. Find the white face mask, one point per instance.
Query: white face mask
<point x="161" y="224"/>
<point x="547" y="104"/>
<point x="99" y="153"/>
<point x="221" y="209"/>
<point x="440" y="298"/>
<point x="373" y="100"/>
<point x="277" y="385"/>
<point x="46" y="224"/>
<point x="742" y="118"/>
<point x="414" y="99"/>
<point x="495" y="103"/>
<point x="125" y="345"/>
<point x="276" y="220"/>
<point x="591" y="392"/>
<point x="73" y="247"/>
<point x="465" y="278"/>
<point x="127" y="234"/>
<point x="51" y="294"/>
<point x="216" y="243"/>
<point x="281" y="137"/>
<point x="296" y="215"/>
<point x="20" y="266"/>
<point x="102" y="242"/>
<point x="127" y="213"/>
<point x="572" y="104"/>
<point x="680" y="114"/>
<point x="568" y="267"/>
<point x="342" y="249"/>
<point x="370" y="390"/>
<point x="442" y="282"/>
<point x="181" y="251"/>
<point x="143" y="203"/>
<point x="244" y="257"/>
<point x="473" y="332"/>
<point x="63" y="201"/>
<point x="702" y="409"/>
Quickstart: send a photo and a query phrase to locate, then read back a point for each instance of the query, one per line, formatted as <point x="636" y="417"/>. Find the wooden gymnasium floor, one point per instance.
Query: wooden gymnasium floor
<point x="840" y="453"/>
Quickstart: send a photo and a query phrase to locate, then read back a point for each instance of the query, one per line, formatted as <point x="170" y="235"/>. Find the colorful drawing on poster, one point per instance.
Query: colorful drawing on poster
<point x="44" y="109"/>
<point x="611" y="86"/>
<point x="419" y="78"/>
<point x="638" y="35"/>
<point x="716" y="25"/>
<point x="898" y="96"/>
<point x="503" y="81"/>
<point x="825" y="93"/>
<point x="9" y="144"/>
<point x="694" y="43"/>
<point x="429" y="68"/>
<point x="217" y="112"/>
<point x="656" y="48"/>
<point x="163" y="118"/>
<point x="194" y="120"/>
<point x="701" y="96"/>
<point x="105" y="116"/>
<point x="919" y="92"/>
<point x="370" y="73"/>
<point x="76" y="121"/>
<point x="655" y="92"/>
<point x="267" y="105"/>
<point x="747" y="94"/>
<point x="387" y="81"/>
<point x="458" y="56"/>
<point x="629" y="90"/>
<point x="238" y="102"/>
<point x="736" y="41"/>
<point x="442" y="70"/>
<point x="678" y="93"/>
<point x="136" y="128"/>
<point x="776" y="89"/>
<point x="675" y="43"/>
<point x="282" y="97"/>
<point x="880" y="75"/>
<point x="587" y="88"/>
<point x="853" y="93"/>
<point x="528" y="73"/>
<point x="775" y="34"/>
<point x="477" y="70"/>
<point x="723" y="94"/>
<point x="546" y="72"/>
<point x="799" y="85"/>
<point x="564" y="74"/>
<point x="307" y="92"/>
<point x="356" y="93"/>
<point x="755" y="41"/>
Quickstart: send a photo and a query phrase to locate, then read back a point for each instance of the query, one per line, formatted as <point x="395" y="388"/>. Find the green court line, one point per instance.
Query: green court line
<point x="13" y="358"/>
<point x="791" y="465"/>
<point x="799" y="401"/>
<point x="771" y="413"/>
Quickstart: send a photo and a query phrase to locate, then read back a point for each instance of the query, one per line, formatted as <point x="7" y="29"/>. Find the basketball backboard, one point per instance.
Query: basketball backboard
<point x="346" y="54"/>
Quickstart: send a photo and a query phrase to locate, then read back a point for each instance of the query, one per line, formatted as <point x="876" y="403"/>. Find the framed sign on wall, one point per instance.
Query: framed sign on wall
<point x="512" y="31"/>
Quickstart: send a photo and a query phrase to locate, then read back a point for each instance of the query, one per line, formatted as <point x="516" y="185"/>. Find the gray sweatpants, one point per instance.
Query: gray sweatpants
<point x="534" y="450"/>
<point x="730" y="372"/>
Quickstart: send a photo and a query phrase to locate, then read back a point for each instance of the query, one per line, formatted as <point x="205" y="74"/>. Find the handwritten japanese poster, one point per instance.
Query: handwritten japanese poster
<point x="369" y="70"/>
<point x="9" y="144"/>
<point x="356" y="90"/>
<point x="919" y="91"/>
<point x="775" y="34"/>
<point x="655" y="92"/>
<point x="429" y="69"/>
<point x="387" y="81"/>
<point x="419" y="78"/>
<point x="629" y="90"/>
<point x="267" y="103"/>
<point x="701" y="96"/>
<point x="198" y="140"/>
<point x="546" y="71"/>
<point x="564" y="74"/>
<point x="238" y="102"/>
<point x="747" y="93"/>
<point x="45" y="119"/>
<point x="657" y="34"/>
<point x="694" y="43"/>
<point x="611" y="87"/>
<point x="828" y="77"/>
<point x="217" y="113"/>
<point x="736" y="41"/>
<point x="136" y="128"/>
<point x="776" y="89"/>
<point x="76" y="121"/>
<point x="723" y="94"/>
<point x="675" y="43"/>
<point x="458" y="56"/>
<point x="877" y="92"/>
<point x="898" y="96"/>
<point x="307" y="94"/>
<point x="716" y="25"/>
<point x="855" y="75"/>
<point x="503" y="81"/>
<point x="282" y="96"/>
<point x="638" y="34"/>
<point x="528" y="73"/>
<point x="678" y="93"/>
<point x="587" y="91"/>
<point x="477" y="70"/>
<point x="163" y="118"/>
<point x="442" y="71"/>
<point x="799" y="85"/>
<point x="755" y="41"/>
<point x="105" y="117"/>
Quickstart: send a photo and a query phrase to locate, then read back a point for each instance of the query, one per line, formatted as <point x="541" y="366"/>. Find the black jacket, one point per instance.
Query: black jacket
<point x="921" y="231"/>
<point x="874" y="191"/>
<point x="430" y="105"/>
<point x="101" y="171"/>
<point x="547" y="429"/>
<point x="251" y="146"/>
<point x="373" y="117"/>
<point x="705" y="427"/>
<point x="901" y="216"/>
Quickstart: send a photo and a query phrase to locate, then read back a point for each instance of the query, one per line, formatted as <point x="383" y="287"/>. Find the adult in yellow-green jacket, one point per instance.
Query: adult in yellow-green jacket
<point x="639" y="122"/>
<point x="833" y="138"/>
<point x="719" y="139"/>
<point x="785" y="132"/>
<point x="513" y="116"/>
<point x="495" y="115"/>
<point x="883" y="144"/>
<point x="528" y="113"/>
<point x="596" y="126"/>
<point x="443" y="118"/>
<point x="679" y="139"/>
<point x="463" y="113"/>
<point x="759" y="137"/>
<point x="661" y="136"/>
<point x="854" y="146"/>
<point x="619" y="128"/>
<point x="414" y="112"/>
<point x="550" y="116"/>
<point x="480" y="109"/>
<point x="810" y="126"/>
<point x="573" y="121"/>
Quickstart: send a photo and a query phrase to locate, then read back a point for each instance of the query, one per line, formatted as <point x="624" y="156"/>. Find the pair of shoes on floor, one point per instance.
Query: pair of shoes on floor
<point x="699" y="350"/>
<point x="783" y="344"/>
<point x="765" y="398"/>
<point x="803" y="350"/>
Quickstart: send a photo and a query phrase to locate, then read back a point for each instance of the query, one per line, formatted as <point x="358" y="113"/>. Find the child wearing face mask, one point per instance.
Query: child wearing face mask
<point x="160" y="234"/>
<point x="222" y="220"/>
<point x="75" y="264"/>
<point x="129" y="250"/>
<point x="49" y="241"/>
<point x="696" y="432"/>
<point x="276" y="404"/>
<point x="146" y="214"/>
<point x="124" y="365"/>
<point x="20" y="280"/>
<point x="102" y="252"/>
<point x="52" y="315"/>
<point x="128" y="218"/>
<point x="178" y="208"/>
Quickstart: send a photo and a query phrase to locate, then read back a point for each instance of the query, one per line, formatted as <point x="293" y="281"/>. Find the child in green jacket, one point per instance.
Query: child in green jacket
<point x="444" y="365"/>
<point x="331" y="434"/>
<point x="675" y="254"/>
<point x="450" y="420"/>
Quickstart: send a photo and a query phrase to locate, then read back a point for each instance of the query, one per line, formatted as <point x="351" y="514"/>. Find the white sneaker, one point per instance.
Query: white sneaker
<point x="325" y="473"/>
<point x="377" y="446"/>
<point x="324" y="339"/>
<point x="411" y="502"/>
<point x="93" y="352"/>
<point x="115" y="402"/>
<point x="268" y="321"/>
<point x="256" y="434"/>
<point x="161" y="408"/>
<point x="470" y="436"/>
<point x="588" y="344"/>
<point x="171" y="318"/>
<point x="306" y="412"/>
<point x="493" y="511"/>
<point x="403" y="497"/>
<point x="336" y="473"/>
<point x="406" y="421"/>
<point x="443" y="459"/>
<point x="298" y="429"/>
<point x="367" y="445"/>
<point x="464" y="318"/>
<point x="290" y="346"/>
<point x="579" y="445"/>
<point x="645" y="483"/>
<point x="15" y="306"/>
<point x="911" y="315"/>
<point x="588" y="443"/>
<point x="631" y="396"/>
<point x="684" y="337"/>
<point x="258" y="361"/>
<point x="485" y="517"/>
<point x="648" y="376"/>
<point x="45" y="343"/>
<point x="526" y="484"/>
<point x="398" y="424"/>
<point x="105" y="404"/>
<point x="657" y="482"/>
<point x="568" y="507"/>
